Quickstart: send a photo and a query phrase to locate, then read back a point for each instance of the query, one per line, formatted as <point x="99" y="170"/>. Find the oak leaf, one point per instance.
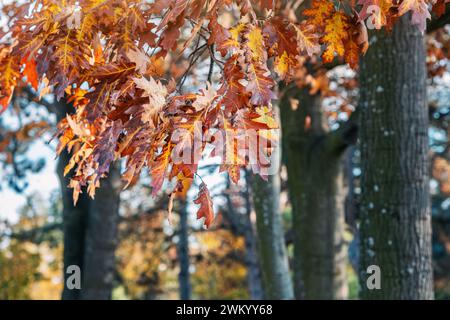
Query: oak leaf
<point x="335" y="36"/>
<point x="260" y="85"/>
<point x="206" y="205"/>
<point x="140" y="58"/>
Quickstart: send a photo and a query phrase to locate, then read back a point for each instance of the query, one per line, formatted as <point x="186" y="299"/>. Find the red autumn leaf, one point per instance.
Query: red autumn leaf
<point x="206" y="206"/>
<point x="30" y="72"/>
<point x="260" y="85"/>
<point x="160" y="167"/>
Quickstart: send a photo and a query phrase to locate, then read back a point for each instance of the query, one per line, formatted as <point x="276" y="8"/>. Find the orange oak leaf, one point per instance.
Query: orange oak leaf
<point x="159" y="168"/>
<point x="206" y="205"/>
<point x="335" y="36"/>
<point x="9" y="75"/>
<point x="260" y="85"/>
<point x="320" y="12"/>
<point x="30" y="72"/>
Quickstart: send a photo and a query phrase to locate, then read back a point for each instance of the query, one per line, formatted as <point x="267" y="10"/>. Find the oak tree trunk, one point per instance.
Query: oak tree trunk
<point x="101" y="239"/>
<point x="243" y="224"/>
<point x="277" y="282"/>
<point x="395" y="222"/>
<point x="183" y="253"/>
<point x="315" y="178"/>
<point x="74" y="227"/>
<point x="254" y="277"/>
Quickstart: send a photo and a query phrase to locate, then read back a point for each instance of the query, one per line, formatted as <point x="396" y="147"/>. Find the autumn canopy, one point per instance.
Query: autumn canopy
<point x="107" y="58"/>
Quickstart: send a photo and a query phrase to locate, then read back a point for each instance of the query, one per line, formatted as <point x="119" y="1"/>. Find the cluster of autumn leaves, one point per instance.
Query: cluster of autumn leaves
<point x="106" y="58"/>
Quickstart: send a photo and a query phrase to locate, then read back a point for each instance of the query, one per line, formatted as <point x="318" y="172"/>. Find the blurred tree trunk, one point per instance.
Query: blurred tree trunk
<point x="272" y="249"/>
<point x="243" y="225"/>
<point x="183" y="253"/>
<point x="254" y="277"/>
<point x="90" y="230"/>
<point x="395" y="212"/>
<point x="101" y="238"/>
<point x="351" y="208"/>
<point x="254" y="280"/>
<point x="312" y="156"/>
<point x="74" y="226"/>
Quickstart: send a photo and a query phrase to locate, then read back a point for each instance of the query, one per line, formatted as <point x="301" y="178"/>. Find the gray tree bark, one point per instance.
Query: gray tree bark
<point x="101" y="239"/>
<point x="277" y="282"/>
<point x="252" y="261"/>
<point x="254" y="277"/>
<point x="395" y="222"/>
<point x="183" y="253"/>
<point x="312" y="156"/>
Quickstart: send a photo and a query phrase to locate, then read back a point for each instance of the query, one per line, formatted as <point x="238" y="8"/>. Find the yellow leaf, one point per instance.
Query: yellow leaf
<point x="319" y="12"/>
<point x="265" y="117"/>
<point x="236" y="31"/>
<point x="335" y="34"/>
<point x="281" y="65"/>
<point x="256" y="43"/>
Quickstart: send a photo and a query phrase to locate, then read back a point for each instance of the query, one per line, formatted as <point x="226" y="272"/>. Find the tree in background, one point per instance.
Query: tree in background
<point x="239" y="214"/>
<point x="273" y="257"/>
<point x="438" y="44"/>
<point x="145" y="259"/>
<point x="315" y="177"/>
<point x="312" y="155"/>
